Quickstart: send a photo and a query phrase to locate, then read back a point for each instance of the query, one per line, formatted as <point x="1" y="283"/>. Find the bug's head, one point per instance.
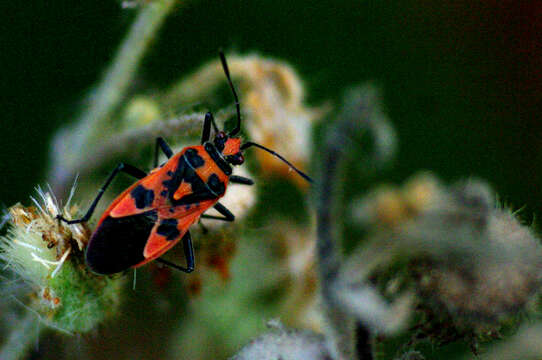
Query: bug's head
<point x="230" y="147"/>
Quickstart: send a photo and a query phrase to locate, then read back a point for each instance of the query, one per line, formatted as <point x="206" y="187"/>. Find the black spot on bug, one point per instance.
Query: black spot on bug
<point x="193" y="158"/>
<point x="187" y="207"/>
<point x="163" y="193"/>
<point x="220" y="143"/>
<point x="185" y="173"/>
<point x="169" y="173"/>
<point x="217" y="158"/>
<point x="172" y="210"/>
<point x="216" y="185"/>
<point x="168" y="228"/>
<point x="175" y="178"/>
<point x="118" y="243"/>
<point x="200" y="190"/>
<point x="143" y="197"/>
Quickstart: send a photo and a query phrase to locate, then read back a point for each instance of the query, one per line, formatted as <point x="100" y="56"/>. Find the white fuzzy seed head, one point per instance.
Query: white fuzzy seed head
<point x="48" y="255"/>
<point x="36" y="243"/>
<point x="285" y="344"/>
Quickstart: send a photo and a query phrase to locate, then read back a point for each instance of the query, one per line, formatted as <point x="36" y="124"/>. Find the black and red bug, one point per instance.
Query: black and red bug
<point x="155" y="213"/>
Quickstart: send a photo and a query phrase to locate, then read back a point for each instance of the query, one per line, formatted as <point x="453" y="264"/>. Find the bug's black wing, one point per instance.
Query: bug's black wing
<point x="118" y="243"/>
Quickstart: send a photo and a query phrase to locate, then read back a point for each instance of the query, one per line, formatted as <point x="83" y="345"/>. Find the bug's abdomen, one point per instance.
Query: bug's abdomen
<point x="117" y="244"/>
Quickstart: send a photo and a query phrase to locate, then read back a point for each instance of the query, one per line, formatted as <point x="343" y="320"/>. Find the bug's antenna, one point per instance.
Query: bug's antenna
<point x="227" y="72"/>
<point x="301" y="173"/>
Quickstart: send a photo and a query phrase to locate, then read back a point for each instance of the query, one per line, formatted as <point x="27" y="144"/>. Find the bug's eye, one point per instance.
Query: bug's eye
<point x="220" y="140"/>
<point x="239" y="159"/>
<point x="236" y="159"/>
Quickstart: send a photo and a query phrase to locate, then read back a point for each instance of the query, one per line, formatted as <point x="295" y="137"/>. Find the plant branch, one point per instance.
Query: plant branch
<point x="116" y="80"/>
<point x="328" y="246"/>
<point x="360" y="115"/>
<point x="106" y="97"/>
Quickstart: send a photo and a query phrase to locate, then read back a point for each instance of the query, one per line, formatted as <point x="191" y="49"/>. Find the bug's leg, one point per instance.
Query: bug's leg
<point x="129" y="169"/>
<point x="206" y="134"/>
<point x="188" y="253"/>
<point x="228" y="216"/>
<point x="162" y="144"/>
<point x="241" y="180"/>
<point x="204" y="229"/>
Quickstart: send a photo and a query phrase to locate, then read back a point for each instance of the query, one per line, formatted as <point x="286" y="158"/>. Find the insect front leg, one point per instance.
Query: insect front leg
<point x="188" y="253"/>
<point x="206" y="133"/>
<point x="228" y="216"/>
<point x="162" y="144"/>
<point x="129" y="169"/>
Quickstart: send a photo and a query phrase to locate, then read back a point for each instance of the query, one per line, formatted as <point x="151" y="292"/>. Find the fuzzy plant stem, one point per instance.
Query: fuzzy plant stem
<point x="350" y="338"/>
<point x="137" y="138"/>
<point x="24" y="335"/>
<point x="116" y="80"/>
<point x="328" y="251"/>
<point x="105" y="99"/>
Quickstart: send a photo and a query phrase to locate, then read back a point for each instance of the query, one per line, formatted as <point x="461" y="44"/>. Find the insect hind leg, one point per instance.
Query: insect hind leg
<point x="188" y="253"/>
<point x="129" y="169"/>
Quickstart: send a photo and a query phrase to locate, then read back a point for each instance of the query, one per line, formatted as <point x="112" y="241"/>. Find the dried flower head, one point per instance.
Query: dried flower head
<point x="389" y="206"/>
<point x="495" y="267"/>
<point x="276" y="114"/>
<point x="474" y="265"/>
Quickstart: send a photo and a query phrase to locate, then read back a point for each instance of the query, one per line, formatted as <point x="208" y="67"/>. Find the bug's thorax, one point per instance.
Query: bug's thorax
<point x="206" y="160"/>
<point x="193" y="176"/>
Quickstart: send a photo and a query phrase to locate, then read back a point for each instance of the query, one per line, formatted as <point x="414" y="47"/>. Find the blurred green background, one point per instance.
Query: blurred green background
<point x="461" y="79"/>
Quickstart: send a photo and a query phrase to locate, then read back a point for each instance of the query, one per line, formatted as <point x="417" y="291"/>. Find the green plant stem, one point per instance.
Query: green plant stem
<point x="341" y="326"/>
<point x="351" y="339"/>
<point x="23" y="336"/>
<point x="106" y="97"/>
<point x="116" y="80"/>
